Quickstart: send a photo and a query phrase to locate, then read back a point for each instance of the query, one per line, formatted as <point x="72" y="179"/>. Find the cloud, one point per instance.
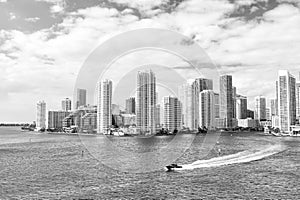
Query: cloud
<point x="32" y="19"/>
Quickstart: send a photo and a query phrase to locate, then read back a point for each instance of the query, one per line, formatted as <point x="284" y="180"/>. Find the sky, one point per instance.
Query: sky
<point x="44" y="43"/>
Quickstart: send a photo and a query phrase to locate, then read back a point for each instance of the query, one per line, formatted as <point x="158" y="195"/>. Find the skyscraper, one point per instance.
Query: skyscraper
<point x="66" y="104"/>
<point x="260" y="108"/>
<point x="268" y="114"/>
<point x="207" y="109"/>
<point x="104" y="106"/>
<point x="217" y="105"/>
<point x="172" y="113"/>
<point x="298" y="101"/>
<point x="189" y="97"/>
<point x="41" y="115"/>
<point x="80" y="97"/>
<point x="226" y="101"/>
<point x="273" y="107"/>
<point x="286" y="100"/>
<point x="130" y="105"/>
<point x="241" y="107"/>
<point x="234" y="101"/>
<point x="204" y="84"/>
<point x="146" y="102"/>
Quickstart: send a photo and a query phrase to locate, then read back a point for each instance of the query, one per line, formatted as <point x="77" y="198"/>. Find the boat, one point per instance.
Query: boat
<point x="172" y="167"/>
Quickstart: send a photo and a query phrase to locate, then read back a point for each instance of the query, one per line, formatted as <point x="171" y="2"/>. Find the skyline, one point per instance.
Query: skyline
<point x="41" y="58"/>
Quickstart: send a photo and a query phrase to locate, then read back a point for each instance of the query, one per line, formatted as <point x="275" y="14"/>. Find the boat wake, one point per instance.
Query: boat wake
<point x="241" y="157"/>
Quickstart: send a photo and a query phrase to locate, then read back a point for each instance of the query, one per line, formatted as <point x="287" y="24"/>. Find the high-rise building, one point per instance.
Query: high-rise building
<point x="204" y="84"/>
<point x="276" y="99"/>
<point x="189" y="97"/>
<point x="55" y="119"/>
<point x="172" y="113"/>
<point x="298" y="101"/>
<point x="80" y="98"/>
<point x="286" y="100"/>
<point x="234" y="101"/>
<point x="146" y="102"/>
<point x="41" y="115"/>
<point x="104" y="106"/>
<point x="157" y="117"/>
<point x="66" y="104"/>
<point x="273" y="108"/>
<point x="115" y="109"/>
<point x="250" y="114"/>
<point x="226" y="101"/>
<point x="130" y="105"/>
<point x="260" y="108"/>
<point x="217" y="105"/>
<point x="207" y="109"/>
<point x="241" y="107"/>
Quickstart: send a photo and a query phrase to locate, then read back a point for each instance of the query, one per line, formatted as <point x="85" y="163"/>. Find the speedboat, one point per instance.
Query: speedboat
<point x="172" y="167"/>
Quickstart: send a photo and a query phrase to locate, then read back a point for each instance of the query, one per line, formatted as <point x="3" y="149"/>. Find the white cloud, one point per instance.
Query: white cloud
<point x="32" y="19"/>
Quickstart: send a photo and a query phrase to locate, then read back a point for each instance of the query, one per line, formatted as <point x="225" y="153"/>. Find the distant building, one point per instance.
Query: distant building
<point x="104" y="106"/>
<point x="80" y="98"/>
<point x="275" y="121"/>
<point x="207" y="109"/>
<point x="157" y="117"/>
<point x="234" y="102"/>
<point x="260" y="108"/>
<point x="66" y="104"/>
<point x="286" y="100"/>
<point x="204" y="84"/>
<point x="130" y="105"/>
<point x="41" y="115"/>
<point x="115" y="109"/>
<point x="241" y="107"/>
<point x="146" y="102"/>
<point x="172" y="113"/>
<point x="189" y="97"/>
<point x="268" y="114"/>
<point x="273" y="109"/>
<point x="89" y="122"/>
<point x="217" y="105"/>
<point x="250" y="114"/>
<point x="226" y="100"/>
<point x="55" y="119"/>
<point x="117" y="121"/>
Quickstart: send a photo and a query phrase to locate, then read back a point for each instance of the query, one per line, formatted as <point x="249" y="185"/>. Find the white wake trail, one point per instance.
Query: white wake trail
<point x="241" y="157"/>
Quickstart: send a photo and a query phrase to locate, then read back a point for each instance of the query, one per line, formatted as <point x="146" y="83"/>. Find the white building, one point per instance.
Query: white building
<point x="189" y="97"/>
<point x="247" y="123"/>
<point x="298" y="101"/>
<point x="286" y="100"/>
<point x="260" y="108"/>
<point x="207" y="109"/>
<point x="41" y="115"/>
<point x="241" y="107"/>
<point x="104" y="106"/>
<point x="172" y="113"/>
<point x="146" y="102"/>
<point x="275" y="121"/>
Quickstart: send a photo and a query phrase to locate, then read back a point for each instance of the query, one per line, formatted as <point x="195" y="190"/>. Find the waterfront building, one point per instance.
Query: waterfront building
<point x="82" y="119"/>
<point x="247" y="123"/>
<point x="207" y="109"/>
<point x="260" y="108"/>
<point x="130" y="105"/>
<point x="104" y="106"/>
<point x="146" y="102"/>
<point x="40" y="115"/>
<point x="226" y="100"/>
<point x="189" y="97"/>
<point x="268" y="114"/>
<point x="66" y="104"/>
<point x="129" y="119"/>
<point x="117" y="120"/>
<point x="80" y="98"/>
<point x="157" y="117"/>
<point x="275" y="121"/>
<point x="172" y="114"/>
<point x="241" y="107"/>
<point x="55" y="119"/>
<point x="286" y="100"/>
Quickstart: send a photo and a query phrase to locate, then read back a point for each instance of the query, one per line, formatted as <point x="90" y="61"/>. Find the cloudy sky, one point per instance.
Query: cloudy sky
<point x="43" y="43"/>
